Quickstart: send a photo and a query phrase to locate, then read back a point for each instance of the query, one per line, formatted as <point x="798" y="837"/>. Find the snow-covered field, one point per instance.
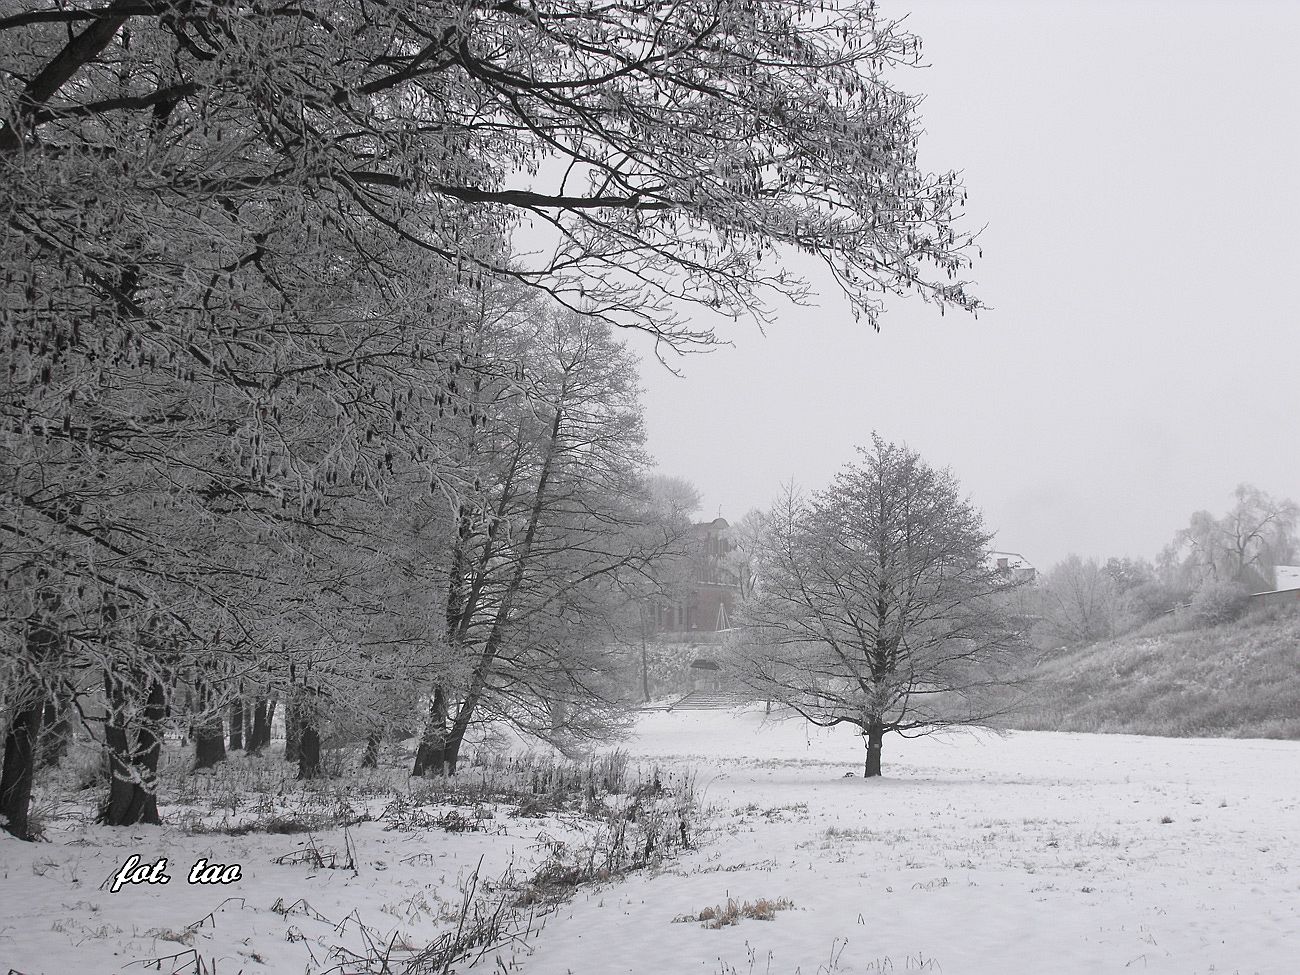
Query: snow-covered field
<point x="1033" y="853"/>
<point x="1030" y="853"/>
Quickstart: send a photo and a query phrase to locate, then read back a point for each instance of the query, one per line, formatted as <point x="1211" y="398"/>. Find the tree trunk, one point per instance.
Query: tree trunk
<point x="209" y="734"/>
<point x="451" y="751"/>
<point x="309" y="753"/>
<point x="645" y="668"/>
<point x="431" y="755"/>
<point x="292" y="729"/>
<point x="23" y="738"/>
<point x="19" y="768"/>
<point x="371" y="758"/>
<point x="237" y="725"/>
<point x="483" y="668"/>
<point x="133" y="784"/>
<point x="875" y="737"/>
<point x="559" y="714"/>
<point x="209" y="742"/>
<point x="260" y="736"/>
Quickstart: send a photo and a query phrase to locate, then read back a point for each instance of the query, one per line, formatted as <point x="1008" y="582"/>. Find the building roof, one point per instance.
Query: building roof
<point x="1286" y="577"/>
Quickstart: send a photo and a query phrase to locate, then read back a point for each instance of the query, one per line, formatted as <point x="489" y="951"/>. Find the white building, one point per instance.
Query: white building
<point x="1287" y="576"/>
<point x="1013" y="565"/>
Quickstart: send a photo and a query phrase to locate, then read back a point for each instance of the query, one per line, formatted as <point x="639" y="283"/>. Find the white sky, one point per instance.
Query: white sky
<point x="1138" y="168"/>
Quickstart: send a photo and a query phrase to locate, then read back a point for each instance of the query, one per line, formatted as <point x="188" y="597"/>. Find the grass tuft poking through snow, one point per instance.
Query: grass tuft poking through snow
<point x="718" y="916"/>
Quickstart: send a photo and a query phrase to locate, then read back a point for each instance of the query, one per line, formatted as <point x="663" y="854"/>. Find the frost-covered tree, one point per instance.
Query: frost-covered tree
<point x="562" y="515"/>
<point x="668" y="146"/>
<point x="243" y="248"/>
<point x="1244" y="546"/>
<point x="1080" y="601"/>
<point x="746" y="540"/>
<point x="876" y="605"/>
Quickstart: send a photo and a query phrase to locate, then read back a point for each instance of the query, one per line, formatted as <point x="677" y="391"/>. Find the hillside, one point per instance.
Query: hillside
<point x="1238" y="680"/>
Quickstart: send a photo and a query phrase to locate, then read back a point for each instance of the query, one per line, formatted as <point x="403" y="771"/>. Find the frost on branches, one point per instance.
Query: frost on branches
<point x="876" y="606"/>
<point x="259" y="296"/>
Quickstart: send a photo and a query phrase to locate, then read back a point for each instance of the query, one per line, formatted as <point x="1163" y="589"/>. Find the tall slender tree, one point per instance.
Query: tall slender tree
<point x="532" y="584"/>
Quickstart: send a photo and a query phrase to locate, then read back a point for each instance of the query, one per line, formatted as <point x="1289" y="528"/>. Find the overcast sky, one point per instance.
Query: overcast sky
<point x="1138" y="168"/>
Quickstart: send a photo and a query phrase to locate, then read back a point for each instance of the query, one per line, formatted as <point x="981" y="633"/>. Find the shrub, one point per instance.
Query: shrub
<point x="1218" y="602"/>
<point x="1150" y="600"/>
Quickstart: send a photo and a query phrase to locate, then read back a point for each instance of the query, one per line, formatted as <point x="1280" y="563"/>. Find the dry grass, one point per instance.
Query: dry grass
<point x="718" y="916"/>
<point x="1237" y="680"/>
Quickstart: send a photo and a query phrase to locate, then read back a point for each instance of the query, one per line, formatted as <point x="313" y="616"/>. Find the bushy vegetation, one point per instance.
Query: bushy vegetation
<point x="1203" y="577"/>
<point x="1218" y="602"/>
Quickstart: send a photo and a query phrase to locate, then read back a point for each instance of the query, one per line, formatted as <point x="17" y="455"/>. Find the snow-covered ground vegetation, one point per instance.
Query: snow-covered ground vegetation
<point x="360" y="874"/>
<point x="1237" y="679"/>
<point x="975" y="853"/>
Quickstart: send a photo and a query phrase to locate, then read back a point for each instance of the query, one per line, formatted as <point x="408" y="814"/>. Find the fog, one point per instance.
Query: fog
<point x="1135" y="168"/>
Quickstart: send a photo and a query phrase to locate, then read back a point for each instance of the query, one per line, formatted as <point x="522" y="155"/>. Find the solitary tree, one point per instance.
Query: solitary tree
<point x="876" y="606"/>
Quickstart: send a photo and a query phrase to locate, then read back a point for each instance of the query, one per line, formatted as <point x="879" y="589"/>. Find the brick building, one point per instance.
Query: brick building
<point x="712" y="588"/>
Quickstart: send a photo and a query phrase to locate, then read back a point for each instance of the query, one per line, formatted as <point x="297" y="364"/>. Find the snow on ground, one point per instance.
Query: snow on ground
<point x="305" y="902"/>
<point x="1028" y="853"/>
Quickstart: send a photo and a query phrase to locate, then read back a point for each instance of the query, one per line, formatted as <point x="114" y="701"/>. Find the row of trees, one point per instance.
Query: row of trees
<point x="1209" y="567"/>
<point x="285" y="418"/>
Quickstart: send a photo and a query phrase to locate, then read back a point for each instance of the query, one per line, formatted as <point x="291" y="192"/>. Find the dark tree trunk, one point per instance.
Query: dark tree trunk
<point x="207" y="728"/>
<point x="875" y="738"/>
<point x="209" y="735"/>
<point x="248" y="726"/>
<point x="309" y="753"/>
<point x="260" y="736"/>
<point x="133" y="784"/>
<point x="19" y="768"/>
<point x="559" y="714"/>
<point x="292" y="729"/>
<point x="371" y="758"/>
<point x="456" y="734"/>
<point x="187" y="708"/>
<point x="431" y="755"/>
<point x="23" y="739"/>
<point x="237" y="724"/>
<point x="483" y="667"/>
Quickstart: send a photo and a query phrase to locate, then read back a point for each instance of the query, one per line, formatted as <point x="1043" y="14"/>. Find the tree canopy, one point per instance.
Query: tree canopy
<point x="669" y="146"/>
<point x="877" y="606"/>
<point x="263" y="319"/>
